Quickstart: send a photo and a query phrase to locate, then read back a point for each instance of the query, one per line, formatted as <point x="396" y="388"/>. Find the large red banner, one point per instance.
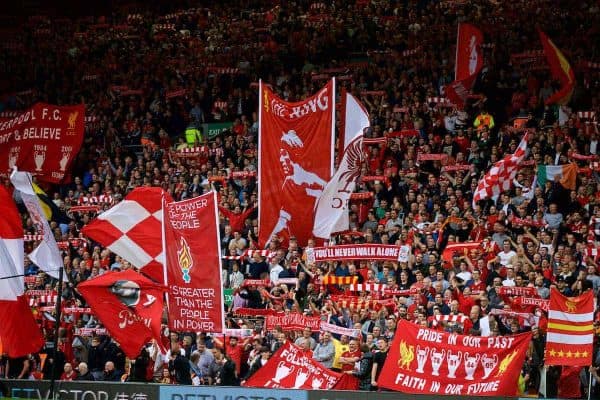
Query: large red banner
<point x="290" y="368"/>
<point x="43" y="140"/>
<point x="423" y="360"/>
<point x="194" y="265"/>
<point x="469" y="61"/>
<point x="295" y="161"/>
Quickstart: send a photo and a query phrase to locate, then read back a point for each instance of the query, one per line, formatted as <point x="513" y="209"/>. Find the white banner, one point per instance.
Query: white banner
<point x="47" y="255"/>
<point x="331" y="210"/>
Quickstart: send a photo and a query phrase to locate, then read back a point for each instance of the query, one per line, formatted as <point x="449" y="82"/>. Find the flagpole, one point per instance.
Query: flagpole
<point x="590" y="385"/>
<point x="56" y="330"/>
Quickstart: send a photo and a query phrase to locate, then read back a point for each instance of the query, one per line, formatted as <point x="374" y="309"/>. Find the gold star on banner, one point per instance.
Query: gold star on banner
<point x="584" y="354"/>
<point x="552" y="353"/>
<point x="577" y="354"/>
<point x="561" y="354"/>
<point x="569" y="354"/>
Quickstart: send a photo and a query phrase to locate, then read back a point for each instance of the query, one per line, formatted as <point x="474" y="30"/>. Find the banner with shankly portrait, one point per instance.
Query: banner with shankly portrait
<point x="295" y="161"/>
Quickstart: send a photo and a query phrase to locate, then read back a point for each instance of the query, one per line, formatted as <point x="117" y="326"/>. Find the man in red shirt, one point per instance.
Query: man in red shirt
<point x="235" y="351"/>
<point x="349" y="358"/>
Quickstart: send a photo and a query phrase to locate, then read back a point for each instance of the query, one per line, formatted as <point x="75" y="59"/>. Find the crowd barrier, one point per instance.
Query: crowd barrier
<point x="40" y="390"/>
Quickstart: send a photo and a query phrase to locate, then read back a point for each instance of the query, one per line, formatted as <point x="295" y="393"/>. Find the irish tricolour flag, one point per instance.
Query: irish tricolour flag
<point x="566" y="173"/>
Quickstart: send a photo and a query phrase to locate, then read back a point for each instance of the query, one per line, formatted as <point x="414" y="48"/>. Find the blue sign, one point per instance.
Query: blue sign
<point x="228" y="393"/>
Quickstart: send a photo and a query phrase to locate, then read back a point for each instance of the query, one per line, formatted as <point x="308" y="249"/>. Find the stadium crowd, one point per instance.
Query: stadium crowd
<point x="395" y="56"/>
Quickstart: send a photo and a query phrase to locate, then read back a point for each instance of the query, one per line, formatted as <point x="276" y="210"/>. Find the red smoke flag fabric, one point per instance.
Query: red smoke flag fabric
<point x="43" y="140"/>
<point x="461" y="249"/>
<point x="469" y="61"/>
<point x="132" y="229"/>
<point x="295" y="161"/>
<point x="194" y="265"/>
<point x="129" y="305"/>
<point x="427" y="361"/>
<point x="570" y="335"/>
<point x="19" y="332"/>
<point x="561" y="71"/>
<point x="290" y="368"/>
<point x="500" y="177"/>
<point x="331" y="210"/>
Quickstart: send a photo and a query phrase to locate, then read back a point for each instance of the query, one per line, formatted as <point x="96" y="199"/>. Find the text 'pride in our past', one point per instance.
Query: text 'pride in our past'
<point x="472" y="341"/>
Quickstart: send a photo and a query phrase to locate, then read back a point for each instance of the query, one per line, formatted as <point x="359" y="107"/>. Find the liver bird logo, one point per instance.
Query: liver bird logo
<point x="571" y="306"/>
<point x="505" y="363"/>
<point x="407" y="355"/>
<point x="73" y="119"/>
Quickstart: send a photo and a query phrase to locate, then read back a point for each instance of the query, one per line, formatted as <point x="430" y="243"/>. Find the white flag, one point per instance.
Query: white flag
<point x="47" y="255"/>
<point x="331" y="210"/>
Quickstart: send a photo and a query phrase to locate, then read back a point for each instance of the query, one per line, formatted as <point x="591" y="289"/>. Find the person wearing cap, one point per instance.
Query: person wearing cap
<point x="562" y="286"/>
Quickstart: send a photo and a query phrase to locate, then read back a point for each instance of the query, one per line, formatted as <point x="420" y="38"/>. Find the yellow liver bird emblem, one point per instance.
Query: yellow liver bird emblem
<point x="73" y="119"/>
<point x="505" y="363"/>
<point x="407" y="355"/>
<point x="571" y="306"/>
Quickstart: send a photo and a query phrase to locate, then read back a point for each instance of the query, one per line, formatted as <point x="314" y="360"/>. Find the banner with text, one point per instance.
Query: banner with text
<point x="194" y="265"/>
<point x="43" y="140"/>
<point x="290" y="368"/>
<point x="292" y="321"/>
<point x="295" y="162"/>
<point x="214" y="129"/>
<point x="357" y="252"/>
<point x="427" y="361"/>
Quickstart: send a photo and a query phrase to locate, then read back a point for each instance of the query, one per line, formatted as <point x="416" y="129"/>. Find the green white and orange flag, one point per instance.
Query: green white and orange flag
<point x="567" y="173"/>
<point x="561" y="70"/>
<point x="570" y="337"/>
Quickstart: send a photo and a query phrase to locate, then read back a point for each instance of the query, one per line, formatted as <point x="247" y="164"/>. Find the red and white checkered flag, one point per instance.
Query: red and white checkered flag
<point x="500" y="177"/>
<point x="133" y="230"/>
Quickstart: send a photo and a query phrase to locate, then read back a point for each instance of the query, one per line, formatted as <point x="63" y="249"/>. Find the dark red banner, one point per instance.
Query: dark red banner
<point x="43" y="140"/>
<point x="295" y="162"/>
<point x="427" y="361"/>
<point x="194" y="265"/>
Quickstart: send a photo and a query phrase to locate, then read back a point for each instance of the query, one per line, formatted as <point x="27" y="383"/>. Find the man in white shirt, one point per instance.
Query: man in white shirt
<point x="510" y="276"/>
<point x="274" y="269"/>
<point x="506" y="254"/>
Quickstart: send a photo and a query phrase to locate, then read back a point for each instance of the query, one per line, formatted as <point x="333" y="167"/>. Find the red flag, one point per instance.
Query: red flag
<point x="295" y="161"/>
<point x="133" y="230"/>
<point x="459" y="248"/>
<point x="194" y="265"/>
<point x="43" y="140"/>
<point x="427" y="361"/>
<point x="570" y="335"/>
<point x="19" y="332"/>
<point x="469" y="61"/>
<point x="290" y="368"/>
<point x="129" y="305"/>
<point x="561" y="70"/>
